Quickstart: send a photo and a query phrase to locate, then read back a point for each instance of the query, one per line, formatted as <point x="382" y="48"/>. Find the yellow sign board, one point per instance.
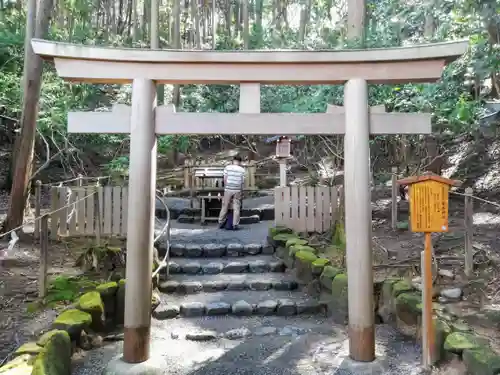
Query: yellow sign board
<point x="429" y="206"/>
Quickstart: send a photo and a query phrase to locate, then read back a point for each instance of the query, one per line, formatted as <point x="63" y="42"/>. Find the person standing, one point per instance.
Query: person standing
<point x="234" y="179"/>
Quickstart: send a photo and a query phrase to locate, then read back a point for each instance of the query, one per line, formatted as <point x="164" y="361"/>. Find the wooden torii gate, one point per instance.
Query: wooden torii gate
<point x="146" y="68"/>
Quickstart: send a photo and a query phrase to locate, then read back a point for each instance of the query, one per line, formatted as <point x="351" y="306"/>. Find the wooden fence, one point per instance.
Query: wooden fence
<point x="92" y="211"/>
<point x="306" y="208"/>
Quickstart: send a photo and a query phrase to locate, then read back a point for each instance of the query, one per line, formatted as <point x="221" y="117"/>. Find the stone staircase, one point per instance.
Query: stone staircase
<point x="213" y="279"/>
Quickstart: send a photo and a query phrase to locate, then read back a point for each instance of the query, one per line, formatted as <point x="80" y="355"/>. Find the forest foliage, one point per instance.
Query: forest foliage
<point x="456" y="101"/>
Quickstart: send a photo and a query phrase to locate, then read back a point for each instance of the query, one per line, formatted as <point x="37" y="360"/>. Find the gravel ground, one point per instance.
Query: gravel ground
<point x="319" y="351"/>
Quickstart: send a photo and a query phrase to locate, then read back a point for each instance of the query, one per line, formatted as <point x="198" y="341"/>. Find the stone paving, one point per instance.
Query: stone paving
<point x="230" y="307"/>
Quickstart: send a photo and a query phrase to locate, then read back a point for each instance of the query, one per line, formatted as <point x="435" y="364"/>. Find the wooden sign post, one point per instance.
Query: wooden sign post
<point x="428" y="196"/>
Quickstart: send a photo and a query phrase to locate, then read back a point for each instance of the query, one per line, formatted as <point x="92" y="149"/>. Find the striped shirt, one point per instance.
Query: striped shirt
<point x="234" y="176"/>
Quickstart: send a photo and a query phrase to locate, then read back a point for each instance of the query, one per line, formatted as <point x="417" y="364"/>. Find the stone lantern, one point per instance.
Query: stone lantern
<point x="283" y="147"/>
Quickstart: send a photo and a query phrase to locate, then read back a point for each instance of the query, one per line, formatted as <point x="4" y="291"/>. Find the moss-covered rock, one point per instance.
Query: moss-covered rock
<point x="327" y="276"/>
<point x="339" y="298"/>
<point x="281" y="238"/>
<point x="20" y="365"/>
<point x="460" y="326"/>
<point x="303" y="265"/>
<point x="55" y="359"/>
<point x="481" y="361"/>
<point x="273" y="231"/>
<point x="457" y="342"/>
<point x="44" y="339"/>
<point x="408" y="313"/>
<point x="295" y="241"/>
<point x="28" y="348"/>
<point x="120" y="303"/>
<point x="108" y="288"/>
<point x="108" y="295"/>
<point x="73" y="321"/>
<point x="318" y="265"/>
<point x="306" y="256"/>
<point x="441" y="332"/>
<point x="91" y="302"/>
<point x="401" y="286"/>
<point x="386" y="301"/>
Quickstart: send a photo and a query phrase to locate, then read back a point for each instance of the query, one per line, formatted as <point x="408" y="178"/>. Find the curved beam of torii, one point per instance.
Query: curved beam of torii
<point x="145" y="68"/>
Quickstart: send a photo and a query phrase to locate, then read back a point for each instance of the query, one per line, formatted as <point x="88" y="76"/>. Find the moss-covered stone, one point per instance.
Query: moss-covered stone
<point x="73" y="321"/>
<point x="55" y="359"/>
<point x="91" y="302"/>
<point x="108" y="296"/>
<point x="460" y="326"/>
<point x="401" y="286"/>
<point x="339" y="298"/>
<point x="306" y="256"/>
<point x="20" y="365"/>
<point x="44" y="339"/>
<point x="408" y="313"/>
<point x="327" y="276"/>
<point x="107" y="288"/>
<point x="28" y="348"/>
<point x="318" y="265"/>
<point x="386" y="302"/>
<point x="120" y="302"/>
<point x="457" y="342"/>
<point x="303" y="265"/>
<point x="481" y="361"/>
<point x="281" y="238"/>
<point x="441" y="332"/>
<point x="295" y="241"/>
<point x="273" y="231"/>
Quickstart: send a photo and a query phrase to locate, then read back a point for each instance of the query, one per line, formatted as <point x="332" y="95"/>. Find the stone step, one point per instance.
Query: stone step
<point x="246" y="303"/>
<point x="189" y="284"/>
<point x="237" y="327"/>
<point x="263" y="213"/>
<point x="245" y="264"/>
<point x="244" y="220"/>
<point x="217" y="250"/>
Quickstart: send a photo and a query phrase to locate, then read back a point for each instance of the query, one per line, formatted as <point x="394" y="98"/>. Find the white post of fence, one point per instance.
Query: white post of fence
<point x="44" y="256"/>
<point x="282" y="163"/>
<point x="79" y="181"/>
<point x="468" y="223"/>
<point x="98" y="212"/>
<point x="394" y="189"/>
<point x="38" y="195"/>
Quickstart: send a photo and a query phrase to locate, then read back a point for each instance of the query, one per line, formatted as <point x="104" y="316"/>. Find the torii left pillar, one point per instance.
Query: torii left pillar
<point x="140" y="229"/>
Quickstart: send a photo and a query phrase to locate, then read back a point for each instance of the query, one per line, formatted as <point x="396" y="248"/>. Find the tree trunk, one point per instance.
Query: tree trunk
<point x="214" y="24"/>
<point x="176" y="95"/>
<point x="31" y="95"/>
<point x="134" y="21"/>
<point x="246" y="26"/>
<point x="195" y="17"/>
<point x="356" y="18"/>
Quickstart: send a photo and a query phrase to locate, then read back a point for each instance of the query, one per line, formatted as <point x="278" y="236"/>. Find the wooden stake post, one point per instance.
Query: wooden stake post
<point x="428" y="195"/>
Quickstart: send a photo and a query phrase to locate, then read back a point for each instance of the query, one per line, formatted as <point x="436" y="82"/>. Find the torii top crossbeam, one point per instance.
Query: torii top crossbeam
<point x="121" y="65"/>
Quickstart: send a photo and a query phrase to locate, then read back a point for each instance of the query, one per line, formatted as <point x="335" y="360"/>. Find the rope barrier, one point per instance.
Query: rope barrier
<point x="60" y="183"/>
<point x="477" y="198"/>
